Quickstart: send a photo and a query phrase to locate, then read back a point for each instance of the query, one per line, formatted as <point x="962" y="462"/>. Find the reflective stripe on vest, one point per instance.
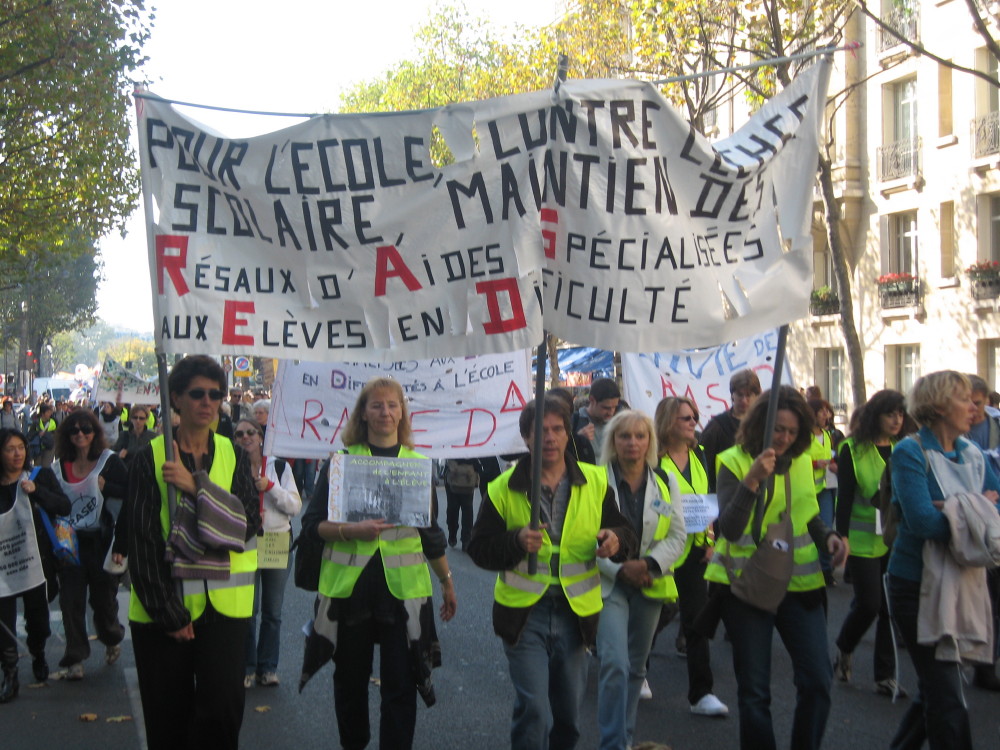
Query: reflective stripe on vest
<point x="806" y="573"/>
<point x="232" y="597"/>
<point x="578" y="575"/>
<point x="868" y="469"/>
<point x="663" y="587"/>
<point x="402" y="552"/>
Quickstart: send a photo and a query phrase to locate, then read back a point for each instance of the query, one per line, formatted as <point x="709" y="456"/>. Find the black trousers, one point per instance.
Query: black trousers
<point x="192" y="692"/>
<point x="692" y="595"/>
<point x="36" y="619"/>
<point x="79" y="584"/>
<point x="353" y="660"/>
<point x="459" y="503"/>
<point x="869" y="603"/>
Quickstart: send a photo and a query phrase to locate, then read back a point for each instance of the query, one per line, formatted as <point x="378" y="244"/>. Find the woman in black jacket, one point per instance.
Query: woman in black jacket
<point x="22" y="494"/>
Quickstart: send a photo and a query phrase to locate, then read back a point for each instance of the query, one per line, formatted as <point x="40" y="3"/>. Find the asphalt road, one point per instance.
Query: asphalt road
<point x="473" y="690"/>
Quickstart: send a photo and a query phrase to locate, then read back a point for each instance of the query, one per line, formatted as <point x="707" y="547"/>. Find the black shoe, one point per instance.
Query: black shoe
<point x="452" y="539"/>
<point x="40" y="668"/>
<point x="10" y="685"/>
<point x="986" y="678"/>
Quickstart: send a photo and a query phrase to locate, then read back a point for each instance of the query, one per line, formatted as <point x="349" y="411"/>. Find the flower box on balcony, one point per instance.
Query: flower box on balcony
<point x="824" y="301"/>
<point x="898" y="290"/>
<point x="985" y="279"/>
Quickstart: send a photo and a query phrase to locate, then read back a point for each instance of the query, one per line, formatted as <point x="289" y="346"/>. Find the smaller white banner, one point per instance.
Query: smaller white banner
<point x="699" y="511"/>
<point x="459" y="406"/>
<point x="395" y="490"/>
<point x="701" y="375"/>
<point x="118" y="385"/>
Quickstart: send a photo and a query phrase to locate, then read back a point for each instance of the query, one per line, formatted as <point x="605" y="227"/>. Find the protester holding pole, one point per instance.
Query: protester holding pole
<point x="189" y="611"/>
<point x="766" y="559"/>
<point x="547" y="619"/>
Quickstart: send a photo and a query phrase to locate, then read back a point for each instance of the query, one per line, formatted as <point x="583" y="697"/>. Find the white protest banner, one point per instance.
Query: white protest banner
<point x="117" y="384"/>
<point x="701" y="375"/>
<point x="337" y="238"/>
<point x="397" y="490"/>
<point x="459" y="407"/>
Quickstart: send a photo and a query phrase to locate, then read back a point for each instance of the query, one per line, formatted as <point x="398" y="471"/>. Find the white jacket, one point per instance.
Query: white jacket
<point x="667" y="550"/>
<point x="955" y="613"/>
<point x="282" y="502"/>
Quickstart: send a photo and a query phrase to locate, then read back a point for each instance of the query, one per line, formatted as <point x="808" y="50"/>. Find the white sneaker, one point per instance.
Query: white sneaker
<point x="249" y="681"/>
<point x="709" y="705"/>
<point x="645" y="694"/>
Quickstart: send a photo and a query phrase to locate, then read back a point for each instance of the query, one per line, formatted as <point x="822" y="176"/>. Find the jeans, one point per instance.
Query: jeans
<point x="803" y="631"/>
<point x="869" y="602"/>
<point x="624" y="638"/>
<point x="548" y="667"/>
<point x="268" y="596"/>
<point x="304" y="473"/>
<point x="938" y="712"/>
<point x="692" y="595"/>
<point x="825" y="498"/>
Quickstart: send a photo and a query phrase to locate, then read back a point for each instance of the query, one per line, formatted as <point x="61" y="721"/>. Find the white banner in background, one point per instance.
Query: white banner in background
<point x="701" y="375"/>
<point x="459" y="407"/>
<point x="338" y="239"/>
<point x="117" y="384"/>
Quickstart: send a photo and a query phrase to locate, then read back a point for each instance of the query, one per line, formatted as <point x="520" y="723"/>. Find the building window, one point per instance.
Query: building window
<point x="900" y="252"/>
<point x="902" y="366"/>
<point x="989" y="361"/>
<point x="897" y="157"/>
<point x="986" y="125"/>
<point x="830" y="370"/>
<point x="903" y="16"/>
<point x="945" y="124"/>
<point x="947" y="230"/>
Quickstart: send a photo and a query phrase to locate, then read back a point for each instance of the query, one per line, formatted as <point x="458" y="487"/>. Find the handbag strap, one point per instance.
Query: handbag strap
<point x="760" y="509"/>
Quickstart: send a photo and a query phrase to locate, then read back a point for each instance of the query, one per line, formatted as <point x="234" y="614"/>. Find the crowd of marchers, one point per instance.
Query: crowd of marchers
<point x="597" y="563"/>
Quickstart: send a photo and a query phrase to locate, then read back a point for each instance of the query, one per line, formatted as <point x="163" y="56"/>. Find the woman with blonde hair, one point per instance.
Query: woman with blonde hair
<point x="935" y="464"/>
<point x="635" y="590"/>
<point x="681" y="456"/>
<point x="375" y="586"/>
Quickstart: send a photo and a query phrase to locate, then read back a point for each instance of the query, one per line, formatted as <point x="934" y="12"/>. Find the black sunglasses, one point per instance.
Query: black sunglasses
<point x="86" y="429"/>
<point x="240" y="434"/>
<point x="214" y="394"/>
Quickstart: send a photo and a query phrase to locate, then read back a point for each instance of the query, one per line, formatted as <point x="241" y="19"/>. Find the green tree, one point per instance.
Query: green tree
<point x="66" y="72"/>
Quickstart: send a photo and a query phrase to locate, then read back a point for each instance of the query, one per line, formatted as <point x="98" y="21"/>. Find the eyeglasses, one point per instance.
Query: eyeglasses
<point x="86" y="429"/>
<point x="240" y="434"/>
<point x="214" y="394"/>
<point x="688" y="418"/>
<point x="138" y="418"/>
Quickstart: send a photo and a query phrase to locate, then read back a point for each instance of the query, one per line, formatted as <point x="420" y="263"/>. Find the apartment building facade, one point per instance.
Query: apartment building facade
<point x="917" y="176"/>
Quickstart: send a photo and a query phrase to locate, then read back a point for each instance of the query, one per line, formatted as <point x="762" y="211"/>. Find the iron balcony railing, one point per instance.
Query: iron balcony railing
<point x="905" y="21"/>
<point x="899" y="294"/>
<point x="986" y="135"/>
<point x="899" y="160"/>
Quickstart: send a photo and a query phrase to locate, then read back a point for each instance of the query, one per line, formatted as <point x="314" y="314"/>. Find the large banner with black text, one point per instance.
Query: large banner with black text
<point x="593" y="211"/>
<point x="459" y="406"/>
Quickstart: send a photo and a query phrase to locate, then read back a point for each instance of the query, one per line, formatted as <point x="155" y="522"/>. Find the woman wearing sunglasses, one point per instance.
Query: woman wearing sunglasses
<point x="131" y="440"/>
<point x="88" y="473"/>
<point x="280" y="502"/>
<point x="680" y="455"/>
<point x="189" y="616"/>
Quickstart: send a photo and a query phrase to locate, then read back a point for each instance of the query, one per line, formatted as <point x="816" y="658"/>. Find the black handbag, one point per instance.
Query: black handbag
<point x="308" y="557"/>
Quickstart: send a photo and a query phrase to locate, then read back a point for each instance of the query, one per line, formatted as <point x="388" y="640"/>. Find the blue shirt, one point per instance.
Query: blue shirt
<point x="914" y="489"/>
